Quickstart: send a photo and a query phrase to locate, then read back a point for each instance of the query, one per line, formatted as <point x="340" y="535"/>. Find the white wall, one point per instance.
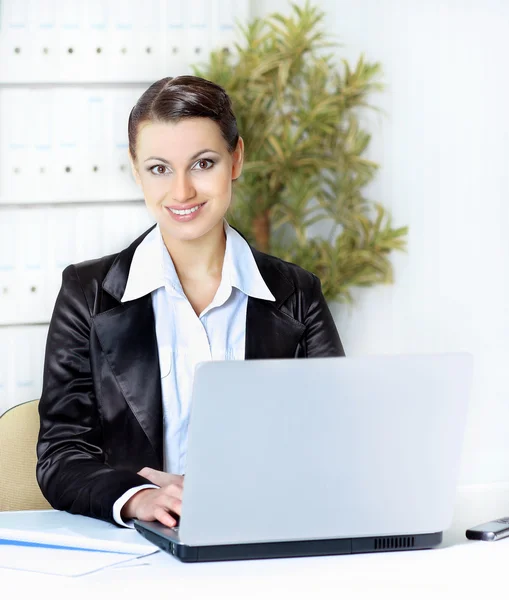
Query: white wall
<point x="444" y="153"/>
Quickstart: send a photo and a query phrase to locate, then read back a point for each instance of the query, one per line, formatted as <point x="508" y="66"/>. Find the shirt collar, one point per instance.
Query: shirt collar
<point x="241" y="268"/>
<point x="146" y="272"/>
<point x="152" y="268"/>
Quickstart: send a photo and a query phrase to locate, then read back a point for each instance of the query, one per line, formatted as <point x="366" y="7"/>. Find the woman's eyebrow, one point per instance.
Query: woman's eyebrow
<point x="192" y="157"/>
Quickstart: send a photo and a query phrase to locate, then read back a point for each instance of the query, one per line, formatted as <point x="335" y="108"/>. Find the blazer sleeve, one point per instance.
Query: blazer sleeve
<point x="71" y="469"/>
<point x="321" y="336"/>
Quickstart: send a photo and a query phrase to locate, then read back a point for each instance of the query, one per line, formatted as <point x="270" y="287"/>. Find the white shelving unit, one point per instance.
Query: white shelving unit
<point x="70" y="72"/>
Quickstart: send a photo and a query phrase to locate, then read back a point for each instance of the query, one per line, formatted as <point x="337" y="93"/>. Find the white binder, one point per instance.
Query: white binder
<point x="96" y="42"/>
<point x="7" y="266"/>
<point x="4" y="369"/>
<point x="97" y="136"/>
<point x="198" y="33"/>
<point x="31" y="266"/>
<point x="15" y="144"/>
<point x="15" y="48"/>
<point x="69" y="53"/>
<point x="148" y="51"/>
<point x="24" y="375"/>
<point x="68" y="127"/>
<point x="42" y="45"/>
<point x="91" y="232"/>
<point x="228" y="14"/>
<point x="122" y="182"/>
<point x="41" y="154"/>
<point x="176" y="37"/>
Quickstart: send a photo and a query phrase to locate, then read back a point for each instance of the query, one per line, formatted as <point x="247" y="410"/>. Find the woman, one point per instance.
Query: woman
<point x="128" y="329"/>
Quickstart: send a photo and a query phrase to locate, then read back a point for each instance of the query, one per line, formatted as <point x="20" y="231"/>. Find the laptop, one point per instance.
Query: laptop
<point x="319" y="456"/>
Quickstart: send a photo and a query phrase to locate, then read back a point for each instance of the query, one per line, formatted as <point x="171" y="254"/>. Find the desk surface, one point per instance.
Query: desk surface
<point x="457" y="566"/>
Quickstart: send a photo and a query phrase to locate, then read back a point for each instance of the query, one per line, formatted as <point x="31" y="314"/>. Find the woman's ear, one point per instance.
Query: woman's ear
<point x="238" y="159"/>
<point x="134" y="170"/>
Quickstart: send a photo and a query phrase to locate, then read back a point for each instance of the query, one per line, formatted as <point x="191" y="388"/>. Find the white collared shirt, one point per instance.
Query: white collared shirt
<point x="183" y="338"/>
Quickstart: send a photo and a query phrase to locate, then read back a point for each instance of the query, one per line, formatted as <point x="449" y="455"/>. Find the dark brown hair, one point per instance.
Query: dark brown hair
<point x="174" y="98"/>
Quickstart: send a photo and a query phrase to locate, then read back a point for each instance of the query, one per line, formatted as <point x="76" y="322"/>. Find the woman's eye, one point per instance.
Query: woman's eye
<point x="160" y="169"/>
<point x="204" y="163"/>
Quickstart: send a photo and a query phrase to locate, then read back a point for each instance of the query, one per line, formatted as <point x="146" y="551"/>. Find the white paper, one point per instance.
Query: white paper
<point x="55" y="561"/>
<point x="58" y="528"/>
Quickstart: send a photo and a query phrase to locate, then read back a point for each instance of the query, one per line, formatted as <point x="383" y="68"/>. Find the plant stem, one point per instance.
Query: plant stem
<point x="261" y="231"/>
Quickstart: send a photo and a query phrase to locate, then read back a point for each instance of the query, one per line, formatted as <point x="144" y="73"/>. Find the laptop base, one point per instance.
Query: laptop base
<point x="288" y="549"/>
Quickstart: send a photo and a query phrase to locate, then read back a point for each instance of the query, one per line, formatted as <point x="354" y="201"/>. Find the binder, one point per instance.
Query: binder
<point x="31" y="263"/>
<point x="90" y="233"/>
<point x="68" y="127"/>
<point x="148" y="60"/>
<point x="8" y="302"/>
<point x="97" y="136"/>
<point x="140" y="221"/>
<point x="44" y="64"/>
<point x="15" y="135"/>
<point x="61" y="248"/>
<point x="122" y="183"/>
<point x="96" y="42"/>
<point x="38" y="337"/>
<point x="198" y="38"/>
<point x="122" y="59"/>
<point x="4" y="369"/>
<point x="227" y="15"/>
<point x="117" y="228"/>
<point x="15" y="47"/>
<point x="176" y="37"/>
<point x="69" y="56"/>
<point x="41" y="158"/>
<point x="24" y="380"/>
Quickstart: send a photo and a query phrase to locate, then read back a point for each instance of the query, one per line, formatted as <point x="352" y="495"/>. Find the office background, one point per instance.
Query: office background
<point x="443" y="146"/>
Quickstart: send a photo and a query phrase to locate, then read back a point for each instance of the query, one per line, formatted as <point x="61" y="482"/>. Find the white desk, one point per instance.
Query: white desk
<point x="458" y="567"/>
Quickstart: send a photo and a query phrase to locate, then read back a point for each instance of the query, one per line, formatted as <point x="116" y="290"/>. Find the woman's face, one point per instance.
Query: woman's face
<point x="185" y="171"/>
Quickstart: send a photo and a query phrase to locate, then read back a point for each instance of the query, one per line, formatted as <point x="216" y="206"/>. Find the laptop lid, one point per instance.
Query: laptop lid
<point x="323" y="448"/>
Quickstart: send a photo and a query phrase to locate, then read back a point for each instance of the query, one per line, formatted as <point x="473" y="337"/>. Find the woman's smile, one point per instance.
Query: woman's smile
<point x="182" y="215"/>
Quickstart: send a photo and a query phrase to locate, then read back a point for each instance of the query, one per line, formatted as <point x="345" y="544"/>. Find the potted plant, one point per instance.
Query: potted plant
<point x="298" y="113"/>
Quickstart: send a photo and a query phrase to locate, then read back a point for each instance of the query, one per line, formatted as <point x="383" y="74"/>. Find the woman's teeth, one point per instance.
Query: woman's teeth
<point x="185" y="212"/>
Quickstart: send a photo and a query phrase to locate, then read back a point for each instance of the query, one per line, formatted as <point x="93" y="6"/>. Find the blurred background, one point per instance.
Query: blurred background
<point x="71" y="71"/>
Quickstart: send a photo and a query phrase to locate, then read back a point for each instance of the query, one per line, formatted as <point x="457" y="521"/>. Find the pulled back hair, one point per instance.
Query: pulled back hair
<point x="174" y="98"/>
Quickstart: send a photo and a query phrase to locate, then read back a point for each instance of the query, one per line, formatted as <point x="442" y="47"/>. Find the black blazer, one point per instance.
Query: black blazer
<point x="101" y="406"/>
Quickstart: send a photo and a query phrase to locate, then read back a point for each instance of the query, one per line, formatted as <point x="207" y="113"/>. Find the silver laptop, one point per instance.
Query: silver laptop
<point x="320" y="456"/>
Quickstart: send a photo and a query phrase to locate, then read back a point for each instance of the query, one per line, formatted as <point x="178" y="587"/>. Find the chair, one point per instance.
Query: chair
<point x="19" y="428"/>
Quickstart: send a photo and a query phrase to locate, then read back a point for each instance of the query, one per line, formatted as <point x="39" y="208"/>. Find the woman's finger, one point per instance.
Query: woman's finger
<point x="164" y="517"/>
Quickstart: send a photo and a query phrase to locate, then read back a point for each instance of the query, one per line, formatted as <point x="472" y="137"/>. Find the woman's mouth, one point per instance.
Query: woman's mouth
<point x="185" y="214"/>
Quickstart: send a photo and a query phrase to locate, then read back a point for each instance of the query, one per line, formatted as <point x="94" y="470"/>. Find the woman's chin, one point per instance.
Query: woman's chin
<point x="190" y="231"/>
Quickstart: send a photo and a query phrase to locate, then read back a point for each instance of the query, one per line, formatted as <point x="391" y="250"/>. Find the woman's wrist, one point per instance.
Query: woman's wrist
<point x="129" y="510"/>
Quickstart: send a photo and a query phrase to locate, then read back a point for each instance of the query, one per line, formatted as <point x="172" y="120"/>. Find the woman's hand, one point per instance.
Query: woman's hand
<point x="163" y="505"/>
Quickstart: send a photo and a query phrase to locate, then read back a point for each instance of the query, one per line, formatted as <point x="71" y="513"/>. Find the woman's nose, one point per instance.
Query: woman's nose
<point x="182" y="188"/>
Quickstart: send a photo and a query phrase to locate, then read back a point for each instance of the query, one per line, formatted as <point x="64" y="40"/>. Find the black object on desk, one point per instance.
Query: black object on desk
<point x="490" y="531"/>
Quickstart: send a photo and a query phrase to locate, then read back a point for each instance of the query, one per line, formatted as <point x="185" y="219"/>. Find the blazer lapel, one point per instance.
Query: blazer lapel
<point x="270" y="332"/>
<point x="127" y="336"/>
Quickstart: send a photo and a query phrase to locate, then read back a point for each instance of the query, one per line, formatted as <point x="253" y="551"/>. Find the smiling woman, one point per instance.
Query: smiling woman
<point x="185" y="171"/>
<point x="128" y="330"/>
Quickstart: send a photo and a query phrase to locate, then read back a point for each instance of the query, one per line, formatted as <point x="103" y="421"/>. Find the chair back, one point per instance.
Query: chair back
<point x="19" y="429"/>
